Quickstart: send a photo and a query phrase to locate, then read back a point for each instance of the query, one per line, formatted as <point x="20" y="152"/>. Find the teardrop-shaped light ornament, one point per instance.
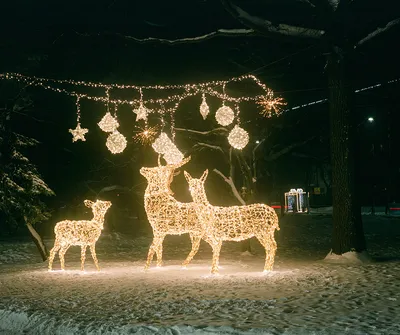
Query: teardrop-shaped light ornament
<point x="204" y="109"/>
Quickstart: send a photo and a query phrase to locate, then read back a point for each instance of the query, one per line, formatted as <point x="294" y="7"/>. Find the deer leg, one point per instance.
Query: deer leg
<point x="83" y="256"/>
<point x="61" y="255"/>
<point x="53" y="252"/>
<point x="195" y="248"/>
<point x="150" y="253"/>
<point x="93" y="252"/>
<point x="269" y="244"/>
<point x="215" y="261"/>
<point x="159" y="250"/>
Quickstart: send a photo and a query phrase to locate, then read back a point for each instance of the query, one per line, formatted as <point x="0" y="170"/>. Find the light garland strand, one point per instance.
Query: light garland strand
<point x="190" y="89"/>
<point x="136" y="87"/>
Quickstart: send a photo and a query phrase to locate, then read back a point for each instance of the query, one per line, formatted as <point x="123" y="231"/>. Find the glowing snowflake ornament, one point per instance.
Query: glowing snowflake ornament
<point x="141" y="112"/>
<point x="116" y="142"/>
<point x="78" y="133"/>
<point x="204" y="109"/>
<point x="238" y="137"/>
<point x="163" y="145"/>
<point x="224" y="115"/>
<point x="108" y="123"/>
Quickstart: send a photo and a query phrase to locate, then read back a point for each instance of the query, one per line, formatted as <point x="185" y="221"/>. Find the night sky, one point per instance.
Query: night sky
<point x="86" y="40"/>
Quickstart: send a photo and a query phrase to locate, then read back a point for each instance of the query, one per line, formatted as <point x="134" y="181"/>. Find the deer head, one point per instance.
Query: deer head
<point x="161" y="173"/>
<point x="196" y="187"/>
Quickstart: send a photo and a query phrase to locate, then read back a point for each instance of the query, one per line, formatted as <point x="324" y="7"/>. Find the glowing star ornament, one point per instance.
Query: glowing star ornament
<point x="234" y="223"/>
<point x="238" y="137"/>
<point x="164" y="146"/>
<point x="224" y="115"/>
<point x="204" y="109"/>
<point x="84" y="233"/>
<point x="78" y="133"/>
<point x="166" y="215"/>
<point x="116" y="142"/>
<point x="141" y="112"/>
<point x="108" y="123"/>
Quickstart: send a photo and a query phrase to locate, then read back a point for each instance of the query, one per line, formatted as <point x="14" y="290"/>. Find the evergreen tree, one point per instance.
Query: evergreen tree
<point x="21" y="186"/>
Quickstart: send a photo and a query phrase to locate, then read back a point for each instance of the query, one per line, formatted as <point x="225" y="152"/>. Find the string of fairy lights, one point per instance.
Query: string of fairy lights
<point x="144" y="104"/>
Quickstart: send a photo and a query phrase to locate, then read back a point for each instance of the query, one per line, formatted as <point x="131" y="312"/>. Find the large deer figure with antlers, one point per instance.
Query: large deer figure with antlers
<point x="166" y="215"/>
<point x="234" y="223"/>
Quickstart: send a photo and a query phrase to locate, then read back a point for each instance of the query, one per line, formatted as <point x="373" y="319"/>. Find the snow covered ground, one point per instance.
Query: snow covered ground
<point x="303" y="295"/>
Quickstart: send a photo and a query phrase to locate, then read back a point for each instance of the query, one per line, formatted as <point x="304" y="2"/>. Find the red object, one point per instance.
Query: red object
<point x="391" y="209"/>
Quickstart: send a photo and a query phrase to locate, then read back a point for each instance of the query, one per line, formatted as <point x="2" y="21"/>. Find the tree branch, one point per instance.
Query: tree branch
<point x="218" y="33"/>
<point x="215" y="130"/>
<point x="255" y="161"/>
<point x="275" y="155"/>
<point x="377" y="32"/>
<point x="267" y="27"/>
<point x="214" y="147"/>
<point x="230" y="182"/>
<point x="307" y="2"/>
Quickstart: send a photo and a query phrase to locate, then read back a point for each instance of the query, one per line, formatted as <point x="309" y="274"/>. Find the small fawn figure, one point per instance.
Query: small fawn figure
<point x="83" y="232"/>
<point x="234" y="223"/>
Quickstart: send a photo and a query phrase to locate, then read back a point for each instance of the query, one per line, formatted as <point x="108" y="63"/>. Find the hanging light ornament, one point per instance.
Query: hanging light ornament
<point x="238" y="137"/>
<point x="141" y="112"/>
<point x="116" y="142"/>
<point x="204" y="109"/>
<point x="108" y="123"/>
<point x="78" y="133"/>
<point x="224" y="115"/>
<point x="163" y="145"/>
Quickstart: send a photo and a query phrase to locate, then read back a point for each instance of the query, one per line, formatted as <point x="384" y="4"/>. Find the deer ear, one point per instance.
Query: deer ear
<point x="88" y="203"/>
<point x="204" y="176"/>
<point x="187" y="176"/>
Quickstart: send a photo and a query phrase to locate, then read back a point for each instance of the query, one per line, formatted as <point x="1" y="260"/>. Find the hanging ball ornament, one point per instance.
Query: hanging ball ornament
<point x="116" y="142"/>
<point x="238" y="137"/>
<point x="224" y="115"/>
<point x="108" y="123"/>
<point x="204" y="109"/>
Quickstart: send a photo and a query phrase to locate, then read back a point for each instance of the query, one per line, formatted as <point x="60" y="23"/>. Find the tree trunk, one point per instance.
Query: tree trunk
<point x="348" y="234"/>
<point x="38" y="241"/>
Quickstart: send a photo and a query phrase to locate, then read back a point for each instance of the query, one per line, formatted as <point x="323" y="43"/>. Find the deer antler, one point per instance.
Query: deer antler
<point x="181" y="163"/>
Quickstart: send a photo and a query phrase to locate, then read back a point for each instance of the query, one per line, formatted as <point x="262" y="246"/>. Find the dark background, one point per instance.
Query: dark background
<point x="89" y="40"/>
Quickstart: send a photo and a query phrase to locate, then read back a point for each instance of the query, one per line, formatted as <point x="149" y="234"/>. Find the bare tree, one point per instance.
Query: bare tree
<point x="332" y="25"/>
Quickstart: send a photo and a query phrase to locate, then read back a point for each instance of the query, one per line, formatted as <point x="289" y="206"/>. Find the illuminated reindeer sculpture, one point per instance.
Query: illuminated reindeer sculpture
<point x="84" y="233"/>
<point x="235" y="223"/>
<point x="166" y="215"/>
